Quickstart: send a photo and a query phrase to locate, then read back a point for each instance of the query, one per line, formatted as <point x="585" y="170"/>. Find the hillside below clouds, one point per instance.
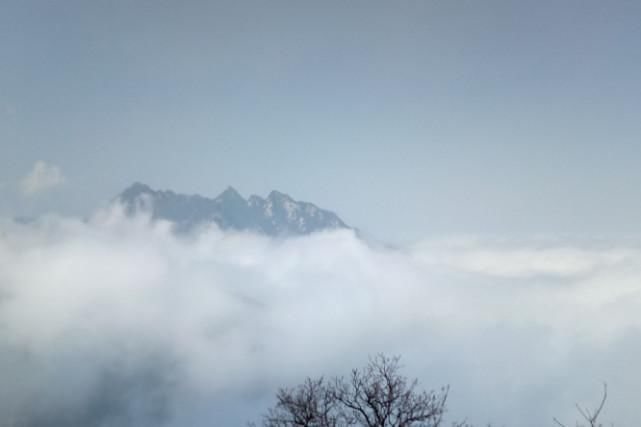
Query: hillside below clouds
<point x="276" y="215"/>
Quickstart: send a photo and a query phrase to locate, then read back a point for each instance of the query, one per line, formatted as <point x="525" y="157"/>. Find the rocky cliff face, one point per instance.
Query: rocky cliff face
<point x="276" y="215"/>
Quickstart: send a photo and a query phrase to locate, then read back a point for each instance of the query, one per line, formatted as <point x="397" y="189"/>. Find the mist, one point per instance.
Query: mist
<point x="117" y="321"/>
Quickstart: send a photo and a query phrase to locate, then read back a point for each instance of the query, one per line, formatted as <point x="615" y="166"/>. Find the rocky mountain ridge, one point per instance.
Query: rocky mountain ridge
<point x="276" y="215"/>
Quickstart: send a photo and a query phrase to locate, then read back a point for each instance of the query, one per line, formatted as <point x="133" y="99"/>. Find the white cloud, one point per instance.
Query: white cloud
<point x="42" y="177"/>
<point x="507" y="260"/>
<point x="207" y="327"/>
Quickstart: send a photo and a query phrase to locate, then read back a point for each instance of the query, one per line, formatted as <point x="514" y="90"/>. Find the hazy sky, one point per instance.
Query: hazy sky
<point x="408" y="118"/>
<point x="514" y="121"/>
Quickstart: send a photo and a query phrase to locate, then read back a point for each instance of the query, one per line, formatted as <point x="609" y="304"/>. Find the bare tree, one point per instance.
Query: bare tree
<point x="375" y="396"/>
<point x="311" y="404"/>
<point x="378" y="396"/>
<point x="590" y="417"/>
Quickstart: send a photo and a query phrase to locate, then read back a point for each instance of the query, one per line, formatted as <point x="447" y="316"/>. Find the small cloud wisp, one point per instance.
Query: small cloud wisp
<point x="42" y="177"/>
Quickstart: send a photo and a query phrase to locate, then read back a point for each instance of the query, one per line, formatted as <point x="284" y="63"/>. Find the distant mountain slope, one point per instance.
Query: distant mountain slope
<point x="276" y="215"/>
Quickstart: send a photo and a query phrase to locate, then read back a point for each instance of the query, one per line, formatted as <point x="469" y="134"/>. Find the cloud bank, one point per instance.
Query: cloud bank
<point x="42" y="177"/>
<point x="117" y="321"/>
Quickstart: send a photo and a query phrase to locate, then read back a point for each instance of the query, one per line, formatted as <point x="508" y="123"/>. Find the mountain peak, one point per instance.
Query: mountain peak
<point x="230" y="193"/>
<point x="277" y="215"/>
<point x="136" y="189"/>
<point x="277" y="195"/>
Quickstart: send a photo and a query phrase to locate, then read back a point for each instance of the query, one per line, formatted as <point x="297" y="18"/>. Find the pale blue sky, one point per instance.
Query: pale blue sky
<point x="408" y="118"/>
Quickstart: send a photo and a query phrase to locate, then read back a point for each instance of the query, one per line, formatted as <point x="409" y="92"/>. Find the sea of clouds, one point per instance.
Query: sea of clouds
<point x="117" y="321"/>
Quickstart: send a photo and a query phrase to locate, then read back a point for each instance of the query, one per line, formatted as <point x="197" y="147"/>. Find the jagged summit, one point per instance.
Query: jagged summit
<point x="277" y="195"/>
<point x="230" y="193"/>
<point x="136" y="189"/>
<point x="278" y="214"/>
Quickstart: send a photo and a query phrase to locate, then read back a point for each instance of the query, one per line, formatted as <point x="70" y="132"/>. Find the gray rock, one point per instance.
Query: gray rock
<point x="276" y="215"/>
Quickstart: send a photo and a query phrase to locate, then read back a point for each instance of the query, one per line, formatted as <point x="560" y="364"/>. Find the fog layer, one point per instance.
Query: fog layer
<point x="117" y="322"/>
